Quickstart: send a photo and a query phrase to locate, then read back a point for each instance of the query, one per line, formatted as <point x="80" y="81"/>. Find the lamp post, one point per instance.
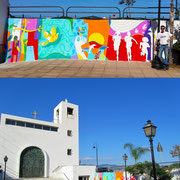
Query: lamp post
<point x="5" y="161"/>
<point x="95" y="147"/>
<point x="150" y="131"/>
<point x="125" y="158"/>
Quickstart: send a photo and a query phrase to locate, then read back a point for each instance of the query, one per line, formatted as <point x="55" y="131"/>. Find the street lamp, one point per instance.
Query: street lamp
<point x="5" y="161"/>
<point x="125" y="158"/>
<point x="150" y="131"/>
<point x="95" y="147"/>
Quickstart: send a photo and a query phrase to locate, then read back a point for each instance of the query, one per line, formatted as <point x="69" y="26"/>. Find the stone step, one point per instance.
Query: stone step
<point x="40" y="179"/>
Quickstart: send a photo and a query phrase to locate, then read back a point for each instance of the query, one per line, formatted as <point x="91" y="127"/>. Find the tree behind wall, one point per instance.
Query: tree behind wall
<point x="176" y="152"/>
<point x="145" y="169"/>
<point x="136" y="152"/>
<point x="128" y="3"/>
<point x="171" y="29"/>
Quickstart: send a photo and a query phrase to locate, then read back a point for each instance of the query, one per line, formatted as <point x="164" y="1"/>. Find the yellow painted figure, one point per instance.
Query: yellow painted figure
<point x="52" y="37"/>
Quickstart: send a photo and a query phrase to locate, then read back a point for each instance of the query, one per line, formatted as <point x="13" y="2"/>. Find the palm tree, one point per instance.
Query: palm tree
<point x="127" y="3"/>
<point x="136" y="152"/>
<point x="171" y="29"/>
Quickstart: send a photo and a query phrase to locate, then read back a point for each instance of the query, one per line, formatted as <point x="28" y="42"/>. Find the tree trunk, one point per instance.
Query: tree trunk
<point x="171" y="30"/>
<point x="129" y="11"/>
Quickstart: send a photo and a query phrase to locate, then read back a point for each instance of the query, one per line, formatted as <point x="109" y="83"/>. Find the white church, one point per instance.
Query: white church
<point x="43" y="150"/>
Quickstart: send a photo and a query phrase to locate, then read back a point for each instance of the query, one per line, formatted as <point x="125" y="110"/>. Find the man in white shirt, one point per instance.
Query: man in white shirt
<point x="165" y="38"/>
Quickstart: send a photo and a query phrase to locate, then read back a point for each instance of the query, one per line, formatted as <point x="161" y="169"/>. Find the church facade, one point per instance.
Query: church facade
<point x="43" y="149"/>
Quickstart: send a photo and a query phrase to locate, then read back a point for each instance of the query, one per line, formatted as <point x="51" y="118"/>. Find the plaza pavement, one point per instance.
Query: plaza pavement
<point x="85" y="68"/>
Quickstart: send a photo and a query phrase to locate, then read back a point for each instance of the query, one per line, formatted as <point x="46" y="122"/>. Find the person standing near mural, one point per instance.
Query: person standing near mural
<point x="165" y="38"/>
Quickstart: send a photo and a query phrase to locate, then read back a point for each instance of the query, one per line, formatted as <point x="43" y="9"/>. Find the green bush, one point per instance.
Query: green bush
<point x="176" y="46"/>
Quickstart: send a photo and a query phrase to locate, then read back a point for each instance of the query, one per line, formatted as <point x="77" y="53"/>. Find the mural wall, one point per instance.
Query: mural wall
<point x="111" y="176"/>
<point x="3" y="28"/>
<point x="116" y="40"/>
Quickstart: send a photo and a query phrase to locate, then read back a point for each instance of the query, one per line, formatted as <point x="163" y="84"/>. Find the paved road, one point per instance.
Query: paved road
<point x="84" y="68"/>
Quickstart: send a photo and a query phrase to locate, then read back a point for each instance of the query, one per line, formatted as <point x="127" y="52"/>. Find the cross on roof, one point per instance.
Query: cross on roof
<point x="35" y="114"/>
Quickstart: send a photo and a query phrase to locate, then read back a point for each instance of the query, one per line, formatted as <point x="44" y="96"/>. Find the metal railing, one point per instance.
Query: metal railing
<point x="35" y="10"/>
<point x="93" y="12"/>
<point x="149" y="12"/>
<point x="58" y="11"/>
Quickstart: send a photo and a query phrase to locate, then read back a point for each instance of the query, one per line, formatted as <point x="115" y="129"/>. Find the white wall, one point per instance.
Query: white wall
<point x="14" y="139"/>
<point x="73" y="172"/>
<point x="3" y="20"/>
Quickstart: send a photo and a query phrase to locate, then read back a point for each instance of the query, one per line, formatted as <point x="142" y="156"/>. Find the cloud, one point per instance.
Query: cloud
<point x="93" y="159"/>
<point x="87" y="159"/>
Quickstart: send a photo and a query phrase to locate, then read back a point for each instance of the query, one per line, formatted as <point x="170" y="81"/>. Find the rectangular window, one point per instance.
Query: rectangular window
<point x="69" y="152"/>
<point x="10" y="122"/>
<point x="83" y="177"/>
<point x="30" y="125"/>
<point x="19" y="123"/>
<point x="46" y="128"/>
<point x="70" y="111"/>
<point x="37" y="126"/>
<point x="69" y="133"/>
<point x="54" y="129"/>
<point x="57" y="112"/>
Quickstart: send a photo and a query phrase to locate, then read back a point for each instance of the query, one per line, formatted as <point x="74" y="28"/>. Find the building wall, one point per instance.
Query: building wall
<point x="14" y="139"/>
<point x="3" y="23"/>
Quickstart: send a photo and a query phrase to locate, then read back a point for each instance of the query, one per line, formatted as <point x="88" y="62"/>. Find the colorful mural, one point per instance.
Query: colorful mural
<point x="111" y="176"/>
<point x="117" y="40"/>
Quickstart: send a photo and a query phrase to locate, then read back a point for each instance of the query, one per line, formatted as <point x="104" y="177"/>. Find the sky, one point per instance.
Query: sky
<point x="112" y="112"/>
<point x="67" y="3"/>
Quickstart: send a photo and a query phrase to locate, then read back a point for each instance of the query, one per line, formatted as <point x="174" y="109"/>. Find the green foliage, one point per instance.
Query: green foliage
<point x="136" y="152"/>
<point x="147" y="170"/>
<point x="176" y="47"/>
<point x="162" y="174"/>
<point x="174" y="166"/>
<point x="136" y="170"/>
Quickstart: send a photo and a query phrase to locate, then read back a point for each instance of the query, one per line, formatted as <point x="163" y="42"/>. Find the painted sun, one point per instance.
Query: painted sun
<point x="97" y="37"/>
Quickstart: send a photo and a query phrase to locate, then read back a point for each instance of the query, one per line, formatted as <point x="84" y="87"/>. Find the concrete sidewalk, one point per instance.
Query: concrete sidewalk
<point x="84" y="68"/>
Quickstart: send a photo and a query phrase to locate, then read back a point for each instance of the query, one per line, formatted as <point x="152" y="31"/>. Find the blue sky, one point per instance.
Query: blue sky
<point x="112" y="111"/>
<point x="66" y="3"/>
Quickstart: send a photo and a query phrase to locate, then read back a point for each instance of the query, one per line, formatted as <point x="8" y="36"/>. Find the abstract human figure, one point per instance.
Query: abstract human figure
<point x="144" y="47"/>
<point x="128" y="40"/>
<point x="79" y="41"/>
<point x="117" y="42"/>
<point x="24" y="29"/>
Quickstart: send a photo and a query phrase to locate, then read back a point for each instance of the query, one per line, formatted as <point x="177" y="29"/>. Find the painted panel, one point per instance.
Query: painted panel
<point x="3" y="28"/>
<point x="111" y="176"/>
<point x="116" y="40"/>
